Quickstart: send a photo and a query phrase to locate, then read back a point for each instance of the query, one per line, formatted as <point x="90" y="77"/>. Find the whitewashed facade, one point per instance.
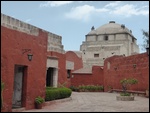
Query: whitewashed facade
<point x="105" y="41"/>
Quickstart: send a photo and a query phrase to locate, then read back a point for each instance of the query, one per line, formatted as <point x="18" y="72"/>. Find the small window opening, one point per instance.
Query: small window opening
<point x="106" y="37"/>
<point x="68" y="73"/>
<point x="96" y="55"/>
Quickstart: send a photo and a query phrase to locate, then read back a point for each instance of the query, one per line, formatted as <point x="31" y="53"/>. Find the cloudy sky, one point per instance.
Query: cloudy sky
<point x="73" y="19"/>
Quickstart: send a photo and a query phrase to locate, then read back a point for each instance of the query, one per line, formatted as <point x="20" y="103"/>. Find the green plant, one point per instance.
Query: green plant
<point x="91" y="88"/>
<point x="57" y="93"/>
<point x="127" y="82"/>
<point x="2" y="85"/>
<point x="39" y="100"/>
<point x="74" y="88"/>
<point x="125" y="94"/>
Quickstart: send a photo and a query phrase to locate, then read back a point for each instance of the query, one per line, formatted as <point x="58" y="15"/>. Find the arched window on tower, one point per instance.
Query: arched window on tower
<point x="105" y="37"/>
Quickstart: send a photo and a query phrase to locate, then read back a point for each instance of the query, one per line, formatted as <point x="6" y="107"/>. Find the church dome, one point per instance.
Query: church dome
<point x="110" y="28"/>
<point x="93" y="32"/>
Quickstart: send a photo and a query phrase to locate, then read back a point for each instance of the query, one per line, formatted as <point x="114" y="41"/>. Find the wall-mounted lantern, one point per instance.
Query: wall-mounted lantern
<point x="147" y="50"/>
<point x="29" y="57"/>
<point x="29" y="54"/>
<point x="134" y="65"/>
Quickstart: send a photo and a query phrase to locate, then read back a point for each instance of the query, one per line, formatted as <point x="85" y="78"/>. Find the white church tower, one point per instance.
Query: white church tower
<point x="105" y="41"/>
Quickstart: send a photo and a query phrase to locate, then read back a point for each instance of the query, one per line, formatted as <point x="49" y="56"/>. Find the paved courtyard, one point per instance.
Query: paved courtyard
<point x="96" y="102"/>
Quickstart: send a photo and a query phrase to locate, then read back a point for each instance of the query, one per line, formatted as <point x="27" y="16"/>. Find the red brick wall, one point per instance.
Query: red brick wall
<point x="96" y="78"/>
<point x="125" y="69"/>
<point x="12" y="43"/>
<point x="71" y="56"/>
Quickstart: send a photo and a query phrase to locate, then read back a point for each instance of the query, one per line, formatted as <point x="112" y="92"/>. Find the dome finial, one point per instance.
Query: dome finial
<point x="92" y="28"/>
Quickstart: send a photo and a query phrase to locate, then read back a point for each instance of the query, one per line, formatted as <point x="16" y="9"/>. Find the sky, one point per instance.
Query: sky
<point x="73" y="19"/>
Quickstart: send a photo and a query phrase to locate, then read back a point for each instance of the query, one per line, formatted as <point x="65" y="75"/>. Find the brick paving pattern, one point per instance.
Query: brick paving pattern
<point x="96" y="102"/>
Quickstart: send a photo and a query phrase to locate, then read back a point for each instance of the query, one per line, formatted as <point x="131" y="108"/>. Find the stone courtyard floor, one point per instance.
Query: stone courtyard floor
<point x="96" y="102"/>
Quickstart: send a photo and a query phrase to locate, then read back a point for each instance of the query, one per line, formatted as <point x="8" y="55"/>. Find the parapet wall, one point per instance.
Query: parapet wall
<point x="16" y="24"/>
<point x="54" y="41"/>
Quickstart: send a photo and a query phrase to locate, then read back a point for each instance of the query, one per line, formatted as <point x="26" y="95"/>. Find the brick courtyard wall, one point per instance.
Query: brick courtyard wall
<point x="62" y="72"/>
<point x="117" y="68"/>
<point x="94" y="78"/>
<point x="12" y="43"/>
<point x="71" y="56"/>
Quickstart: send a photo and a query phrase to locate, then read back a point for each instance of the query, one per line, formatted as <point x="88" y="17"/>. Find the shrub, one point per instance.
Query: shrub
<point x="64" y="93"/>
<point x="87" y="88"/>
<point x="57" y="93"/>
<point x="125" y="94"/>
<point x="73" y="88"/>
<point x="39" y="100"/>
<point x="91" y="88"/>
